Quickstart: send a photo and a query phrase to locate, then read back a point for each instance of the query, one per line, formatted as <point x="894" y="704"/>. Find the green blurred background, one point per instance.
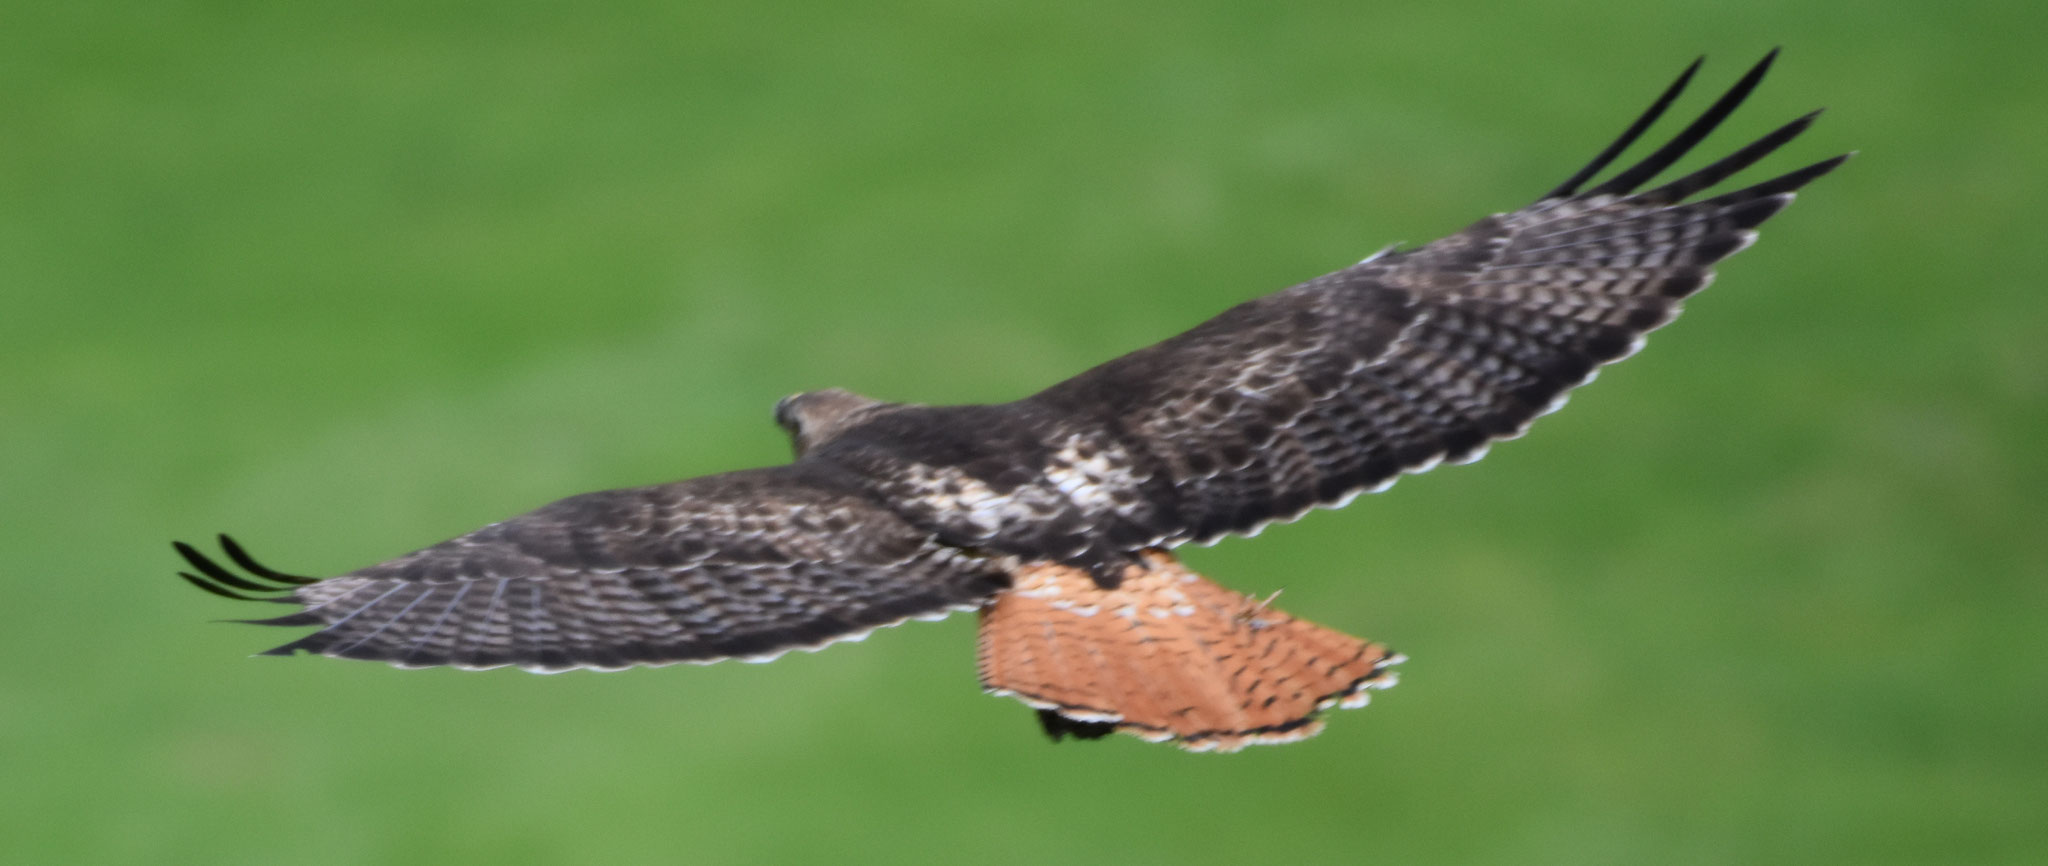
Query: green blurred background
<point x="348" y="279"/>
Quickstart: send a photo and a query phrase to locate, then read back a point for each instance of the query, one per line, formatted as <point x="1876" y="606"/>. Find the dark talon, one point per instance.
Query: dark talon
<point x="1058" y="727"/>
<point x="1108" y="572"/>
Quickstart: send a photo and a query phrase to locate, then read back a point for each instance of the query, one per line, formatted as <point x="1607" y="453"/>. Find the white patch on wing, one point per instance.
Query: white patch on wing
<point x="1090" y="475"/>
<point x="956" y="496"/>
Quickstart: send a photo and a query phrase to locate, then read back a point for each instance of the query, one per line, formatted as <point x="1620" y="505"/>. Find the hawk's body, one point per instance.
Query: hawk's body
<point x="1066" y="500"/>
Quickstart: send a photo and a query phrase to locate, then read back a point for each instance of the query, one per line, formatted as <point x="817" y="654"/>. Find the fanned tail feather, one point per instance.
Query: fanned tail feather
<point x="1169" y="656"/>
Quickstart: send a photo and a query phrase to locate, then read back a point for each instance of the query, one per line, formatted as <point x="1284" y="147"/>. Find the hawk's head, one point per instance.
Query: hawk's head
<point x="814" y="417"/>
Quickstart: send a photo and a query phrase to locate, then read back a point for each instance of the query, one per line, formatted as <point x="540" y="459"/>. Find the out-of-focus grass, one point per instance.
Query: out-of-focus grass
<point x="348" y="280"/>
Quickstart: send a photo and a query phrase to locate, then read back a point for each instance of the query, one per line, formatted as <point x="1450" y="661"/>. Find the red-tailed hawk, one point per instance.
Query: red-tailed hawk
<point x="1053" y="515"/>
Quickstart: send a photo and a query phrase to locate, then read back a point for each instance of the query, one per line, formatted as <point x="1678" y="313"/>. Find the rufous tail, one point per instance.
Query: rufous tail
<point x="1168" y="655"/>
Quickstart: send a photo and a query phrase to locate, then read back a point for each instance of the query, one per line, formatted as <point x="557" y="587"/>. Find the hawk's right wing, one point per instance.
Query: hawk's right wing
<point x="745" y="564"/>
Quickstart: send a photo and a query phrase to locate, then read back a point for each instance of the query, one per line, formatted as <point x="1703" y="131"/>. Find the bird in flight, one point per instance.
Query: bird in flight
<point x="1054" y="515"/>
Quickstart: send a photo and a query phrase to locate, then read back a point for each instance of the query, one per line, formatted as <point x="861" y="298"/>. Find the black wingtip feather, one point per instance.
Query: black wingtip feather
<point x="213" y="570"/>
<point x="242" y="558"/>
<point x="1790" y="181"/>
<point x="1635" y="175"/>
<point x="1677" y="190"/>
<point x="219" y="581"/>
<point x="199" y="561"/>
<point x="1628" y="136"/>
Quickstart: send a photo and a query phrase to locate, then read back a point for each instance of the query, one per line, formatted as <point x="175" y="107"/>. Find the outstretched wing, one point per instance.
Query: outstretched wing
<point x="747" y="564"/>
<point x="1308" y="396"/>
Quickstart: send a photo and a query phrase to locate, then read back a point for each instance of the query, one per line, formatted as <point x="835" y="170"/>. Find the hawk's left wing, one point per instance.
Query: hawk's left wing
<point x="1310" y="395"/>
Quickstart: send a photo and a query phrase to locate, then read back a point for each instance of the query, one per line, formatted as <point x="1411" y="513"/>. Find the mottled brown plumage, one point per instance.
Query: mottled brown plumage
<point x="1298" y="399"/>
